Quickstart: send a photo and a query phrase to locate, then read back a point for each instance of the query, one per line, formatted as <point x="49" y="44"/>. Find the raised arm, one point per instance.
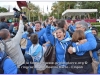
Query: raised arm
<point x="41" y="32"/>
<point x="89" y="45"/>
<point x="48" y="32"/>
<point x="18" y="36"/>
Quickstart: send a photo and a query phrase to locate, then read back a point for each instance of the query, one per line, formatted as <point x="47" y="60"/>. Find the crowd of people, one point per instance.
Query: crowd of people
<point x="76" y="45"/>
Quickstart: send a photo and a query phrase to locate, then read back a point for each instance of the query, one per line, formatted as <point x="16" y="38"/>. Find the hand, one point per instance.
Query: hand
<point x="44" y="45"/>
<point x="54" y="34"/>
<point x="50" y="20"/>
<point x="8" y="57"/>
<point x="31" y="24"/>
<point x="21" y="17"/>
<point x="82" y="41"/>
<point x="70" y="50"/>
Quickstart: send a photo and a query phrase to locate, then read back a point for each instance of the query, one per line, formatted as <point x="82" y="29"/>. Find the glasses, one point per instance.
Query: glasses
<point x="78" y="27"/>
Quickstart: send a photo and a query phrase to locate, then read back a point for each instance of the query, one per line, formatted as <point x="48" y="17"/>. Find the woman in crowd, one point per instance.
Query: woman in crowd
<point x="82" y="63"/>
<point x="61" y="43"/>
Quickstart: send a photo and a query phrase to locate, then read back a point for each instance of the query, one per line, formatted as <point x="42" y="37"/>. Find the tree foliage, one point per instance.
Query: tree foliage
<point x="2" y="9"/>
<point x="33" y="14"/>
<point x="91" y="5"/>
<point x="59" y="7"/>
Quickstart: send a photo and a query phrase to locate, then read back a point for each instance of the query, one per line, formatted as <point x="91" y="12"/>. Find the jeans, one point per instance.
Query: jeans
<point x="29" y="59"/>
<point x="34" y="71"/>
<point x="60" y="71"/>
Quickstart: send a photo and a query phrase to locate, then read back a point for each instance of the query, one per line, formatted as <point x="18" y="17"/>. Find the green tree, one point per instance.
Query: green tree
<point x="2" y="9"/>
<point x="59" y="7"/>
<point x="45" y="16"/>
<point x="33" y="14"/>
<point x="91" y="5"/>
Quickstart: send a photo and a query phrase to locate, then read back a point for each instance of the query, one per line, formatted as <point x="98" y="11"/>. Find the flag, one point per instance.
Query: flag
<point x="22" y="4"/>
<point x="47" y="8"/>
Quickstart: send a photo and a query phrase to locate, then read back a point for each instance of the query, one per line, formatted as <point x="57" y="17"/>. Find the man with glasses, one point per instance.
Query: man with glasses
<point x="91" y="42"/>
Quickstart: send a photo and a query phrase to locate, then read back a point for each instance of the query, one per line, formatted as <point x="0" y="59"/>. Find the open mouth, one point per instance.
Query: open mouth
<point x="59" y="37"/>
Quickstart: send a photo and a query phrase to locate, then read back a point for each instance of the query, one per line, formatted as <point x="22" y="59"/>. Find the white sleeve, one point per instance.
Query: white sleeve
<point x="18" y="36"/>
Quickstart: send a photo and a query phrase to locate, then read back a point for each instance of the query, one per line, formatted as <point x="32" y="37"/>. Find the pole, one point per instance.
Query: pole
<point x="29" y="11"/>
<point x="43" y="13"/>
<point x="43" y="17"/>
<point x="64" y="9"/>
<point x="58" y="14"/>
<point x="96" y="15"/>
<point x="33" y="17"/>
<point x="38" y="15"/>
<point x="29" y="16"/>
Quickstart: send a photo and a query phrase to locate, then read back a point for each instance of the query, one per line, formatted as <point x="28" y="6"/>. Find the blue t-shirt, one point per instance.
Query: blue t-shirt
<point x="9" y="67"/>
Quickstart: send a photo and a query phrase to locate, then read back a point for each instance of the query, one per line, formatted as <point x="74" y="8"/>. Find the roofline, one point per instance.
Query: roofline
<point x="6" y="14"/>
<point x="79" y="10"/>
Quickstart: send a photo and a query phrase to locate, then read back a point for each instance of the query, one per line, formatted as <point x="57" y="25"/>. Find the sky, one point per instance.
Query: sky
<point x="42" y="5"/>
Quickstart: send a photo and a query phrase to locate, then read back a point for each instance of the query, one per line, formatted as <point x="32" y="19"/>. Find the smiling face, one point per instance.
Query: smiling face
<point x="37" y="27"/>
<point x="79" y="27"/>
<point x="60" y="34"/>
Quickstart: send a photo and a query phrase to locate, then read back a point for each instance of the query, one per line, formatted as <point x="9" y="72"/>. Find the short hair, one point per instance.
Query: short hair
<point x="57" y="20"/>
<point x="30" y="31"/>
<point x="4" y="34"/>
<point x="61" y="30"/>
<point x="83" y="24"/>
<point x="37" y="22"/>
<point x="54" y="24"/>
<point x="2" y="19"/>
<point x="25" y="28"/>
<point x="78" y="35"/>
<point x="34" y="38"/>
<point x="61" y="23"/>
<point x="95" y="30"/>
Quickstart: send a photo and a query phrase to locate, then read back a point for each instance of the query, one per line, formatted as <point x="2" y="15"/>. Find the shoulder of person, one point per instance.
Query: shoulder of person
<point x="8" y="60"/>
<point x="9" y="68"/>
<point x="40" y="47"/>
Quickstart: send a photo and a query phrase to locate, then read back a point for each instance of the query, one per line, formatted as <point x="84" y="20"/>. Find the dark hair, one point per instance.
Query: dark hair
<point x="33" y="24"/>
<point x="61" y="23"/>
<point x="37" y="22"/>
<point x="2" y="19"/>
<point x="30" y="31"/>
<point x="95" y="30"/>
<point x="78" y="35"/>
<point x="25" y="28"/>
<point x="57" y="20"/>
<point x="54" y="24"/>
<point x="44" y="25"/>
<point x="34" y="38"/>
<point x="61" y="30"/>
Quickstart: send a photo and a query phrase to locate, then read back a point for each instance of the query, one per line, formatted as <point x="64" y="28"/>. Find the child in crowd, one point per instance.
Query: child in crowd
<point x="37" y="53"/>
